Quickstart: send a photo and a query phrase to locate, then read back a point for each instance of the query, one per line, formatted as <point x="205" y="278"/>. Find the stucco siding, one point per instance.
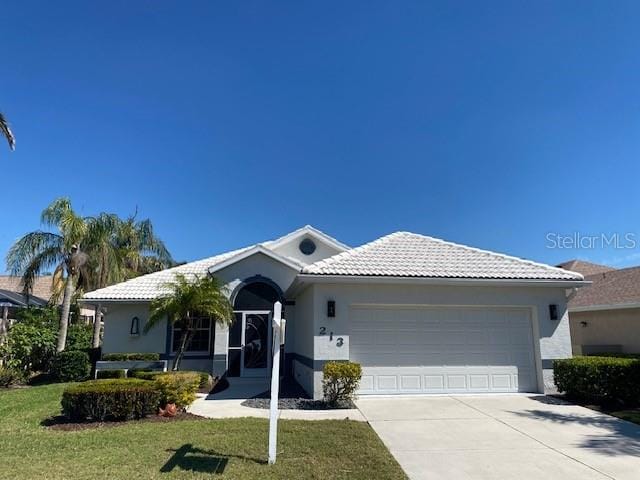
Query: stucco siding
<point x="302" y="338"/>
<point x="331" y="335"/>
<point x="606" y="328"/>
<point x="291" y="249"/>
<point x="258" y="264"/>
<point x="117" y="327"/>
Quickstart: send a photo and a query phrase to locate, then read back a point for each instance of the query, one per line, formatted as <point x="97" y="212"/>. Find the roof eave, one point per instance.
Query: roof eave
<point x="597" y="308"/>
<point x="324" y="278"/>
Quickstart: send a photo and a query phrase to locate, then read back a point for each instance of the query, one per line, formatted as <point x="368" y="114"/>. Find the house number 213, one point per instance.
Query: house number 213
<point x="339" y="340"/>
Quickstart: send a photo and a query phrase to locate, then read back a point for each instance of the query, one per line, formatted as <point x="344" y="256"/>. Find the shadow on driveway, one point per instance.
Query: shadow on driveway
<point x="621" y="437"/>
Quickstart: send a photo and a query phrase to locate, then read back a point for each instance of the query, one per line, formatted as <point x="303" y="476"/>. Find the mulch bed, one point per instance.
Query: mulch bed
<point x="62" y="423"/>
<point x="293" y="397"/>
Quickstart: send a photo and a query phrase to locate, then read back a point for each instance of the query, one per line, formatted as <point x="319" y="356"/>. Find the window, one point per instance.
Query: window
<point x="201" y="340"/>
<point x="307" y="246"/>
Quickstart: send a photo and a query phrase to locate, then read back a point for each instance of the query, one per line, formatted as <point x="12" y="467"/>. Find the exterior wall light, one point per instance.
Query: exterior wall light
<point x="331" y="308"/>
<point x="553" y="312"/>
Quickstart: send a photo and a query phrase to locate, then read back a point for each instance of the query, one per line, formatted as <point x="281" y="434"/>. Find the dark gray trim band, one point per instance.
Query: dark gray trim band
<point x="316" y="365"/>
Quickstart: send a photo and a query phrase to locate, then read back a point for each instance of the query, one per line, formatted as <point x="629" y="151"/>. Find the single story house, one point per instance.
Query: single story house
<point x="12" y="296"/>
<point x="421" y="315"/>
<point x="605" y="316"/>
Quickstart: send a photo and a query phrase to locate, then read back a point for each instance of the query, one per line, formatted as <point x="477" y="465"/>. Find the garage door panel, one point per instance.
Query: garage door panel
<point x="443" y="349"/>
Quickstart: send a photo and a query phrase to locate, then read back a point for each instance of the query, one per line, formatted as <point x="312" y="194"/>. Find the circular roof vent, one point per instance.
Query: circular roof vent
<point x="307" y="246"/>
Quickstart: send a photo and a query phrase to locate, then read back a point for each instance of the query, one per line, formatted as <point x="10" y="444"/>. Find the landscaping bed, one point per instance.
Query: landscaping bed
<point x="293" y="397"/>
<point x="60" y="422"/>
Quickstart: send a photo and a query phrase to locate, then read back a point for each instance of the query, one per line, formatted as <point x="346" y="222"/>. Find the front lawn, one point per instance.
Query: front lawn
<point x="225" y="449"/>
<point x="631" y="415"/>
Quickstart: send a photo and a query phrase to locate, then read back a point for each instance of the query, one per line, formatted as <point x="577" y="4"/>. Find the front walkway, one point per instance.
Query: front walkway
<point x="502" y="437"/>
<point x="228" y="404"/>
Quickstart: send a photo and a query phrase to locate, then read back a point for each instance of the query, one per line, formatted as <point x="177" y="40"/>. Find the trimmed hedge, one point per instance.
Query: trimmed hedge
<point x="71" y="366"/>
<point x="340" y="381"/>
<point x="143" y="374"/>
<point x="126" y="357"/>
<point x="115" y="399"/>
<point x="10" y="376"/>
<point x="110" y="374"/>
<point x="205" y="379"/>
<point x="177" y="387"/>
<point x="599" y="379"/>
<point x="616" y="355"/>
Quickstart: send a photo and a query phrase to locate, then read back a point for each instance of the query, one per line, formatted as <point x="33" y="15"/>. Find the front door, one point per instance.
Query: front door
<point x="255" y="357"/>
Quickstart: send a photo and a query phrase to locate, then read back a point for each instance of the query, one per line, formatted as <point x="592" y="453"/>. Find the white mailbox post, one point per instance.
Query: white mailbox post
<point x="278" y="340"/>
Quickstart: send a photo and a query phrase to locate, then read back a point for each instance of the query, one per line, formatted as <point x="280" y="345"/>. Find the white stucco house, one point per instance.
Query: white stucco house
<point x="420" y="314"/>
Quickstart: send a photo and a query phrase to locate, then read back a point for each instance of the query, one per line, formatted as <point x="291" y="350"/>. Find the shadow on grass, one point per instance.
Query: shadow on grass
<point x="192" y="459"/>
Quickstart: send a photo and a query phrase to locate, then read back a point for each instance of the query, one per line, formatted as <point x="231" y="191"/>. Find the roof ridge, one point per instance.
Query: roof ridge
<point x="490" y="253"/>
<point x="339" y="256"/>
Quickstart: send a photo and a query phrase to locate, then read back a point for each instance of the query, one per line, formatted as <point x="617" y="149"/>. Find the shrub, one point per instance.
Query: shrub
<point x="10" y="376"/>
<point x="143" y="374"/>
<point x="115" y="399"/>
<point x="71" y="366"/>
<point x="126" y="357"/>
<point x="616" y="355"/>
<point x="30" y="346"/>
<point x="206" y="381"/>
<point x="177" y="387"/>
<point x="600" y="379"/>
<point x="79" y="337"/>
<point x="340" y="381"/>
<point x="110" y="374"/>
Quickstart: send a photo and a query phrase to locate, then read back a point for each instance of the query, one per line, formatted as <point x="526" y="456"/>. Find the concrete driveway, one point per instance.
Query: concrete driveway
<point x="503" y="437"/>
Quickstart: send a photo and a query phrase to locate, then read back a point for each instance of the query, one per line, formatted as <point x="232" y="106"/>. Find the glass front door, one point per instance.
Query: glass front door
<point x="256" y="344"/>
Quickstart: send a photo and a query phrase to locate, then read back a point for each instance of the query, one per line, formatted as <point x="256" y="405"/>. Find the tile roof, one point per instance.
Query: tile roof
<point x="41" y="287"/>
<point x="405" y="254"/>
<point x="400" y="254"/>
<point x="10" y="298"/>
<point x="615" y="288"/>
<point x="148" y="287"/>
<point x="585" y="268"/>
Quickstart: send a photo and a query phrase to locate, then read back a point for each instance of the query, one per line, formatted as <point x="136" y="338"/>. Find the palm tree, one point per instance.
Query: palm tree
<point x="40" y="251"/>
<point x="143" y="252"/>
<point x="185" y="303"/>
<point x="119" y="250"/>
<point x="6" y="132"/>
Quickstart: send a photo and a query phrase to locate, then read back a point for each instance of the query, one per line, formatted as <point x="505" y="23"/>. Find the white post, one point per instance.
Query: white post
<point x="278" y="338"/>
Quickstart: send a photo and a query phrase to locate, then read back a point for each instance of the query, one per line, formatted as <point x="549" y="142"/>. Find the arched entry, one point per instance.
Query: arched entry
<point x="250" y="334"/>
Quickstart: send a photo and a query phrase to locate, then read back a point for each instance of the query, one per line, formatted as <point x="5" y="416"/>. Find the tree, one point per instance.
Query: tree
<point x="87" y="253"/>
<point x="40" y="251"/>
<point x="119" y="250"/>
<point x="185" y="302"/>
<point x="6" y="132"/>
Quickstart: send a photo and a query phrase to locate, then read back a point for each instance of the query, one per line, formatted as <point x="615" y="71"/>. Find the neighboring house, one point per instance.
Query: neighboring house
<point x="605" y="316"/>
<point x="11" y="293"/>
<point x="420" y="314"/>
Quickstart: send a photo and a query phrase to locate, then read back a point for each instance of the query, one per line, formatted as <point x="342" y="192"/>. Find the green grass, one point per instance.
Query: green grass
<point x="220" y="449"/>
<point x="628" y="415"/>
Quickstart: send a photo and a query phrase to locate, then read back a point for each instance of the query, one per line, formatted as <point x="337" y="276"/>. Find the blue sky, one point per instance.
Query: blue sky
<point x="492" y="124"/>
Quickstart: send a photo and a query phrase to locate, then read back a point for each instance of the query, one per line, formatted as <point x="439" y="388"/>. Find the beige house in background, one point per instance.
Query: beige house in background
<point x="12" y="297"/>
<point x="605" y="317"/>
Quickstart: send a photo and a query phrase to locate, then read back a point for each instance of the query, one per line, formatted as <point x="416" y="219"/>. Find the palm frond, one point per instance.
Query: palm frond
<point x="42" y="261"/>
<point x="6" y="131"/>
<point x="31" y="245"/>
<point x="200" y="296"/>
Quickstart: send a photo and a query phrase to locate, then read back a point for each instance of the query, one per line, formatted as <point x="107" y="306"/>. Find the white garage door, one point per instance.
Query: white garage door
<point x="442" y="349"/>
